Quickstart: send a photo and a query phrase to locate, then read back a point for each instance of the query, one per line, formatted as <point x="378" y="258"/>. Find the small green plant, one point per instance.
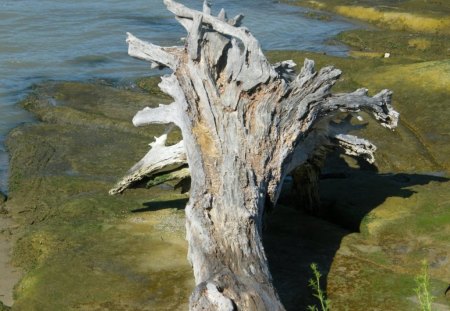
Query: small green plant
<point x="314" y="283"/>
<point x="422" y="290"/>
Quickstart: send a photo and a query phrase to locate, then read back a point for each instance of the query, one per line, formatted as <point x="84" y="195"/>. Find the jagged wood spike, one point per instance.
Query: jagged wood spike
<point x="222" y="15"/>
<point x="206" y="7"/>
<point x="194" y="37"/>
<point x="236" y="21"/>
<point x="246" y="125"/>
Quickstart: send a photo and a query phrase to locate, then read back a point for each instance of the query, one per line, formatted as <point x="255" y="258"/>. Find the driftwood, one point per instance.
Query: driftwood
<point x="159" y="159"/>
<point x="246" y="124"/>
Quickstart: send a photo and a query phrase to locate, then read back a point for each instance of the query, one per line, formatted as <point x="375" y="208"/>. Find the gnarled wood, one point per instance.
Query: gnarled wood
<point x="246" y="124"/>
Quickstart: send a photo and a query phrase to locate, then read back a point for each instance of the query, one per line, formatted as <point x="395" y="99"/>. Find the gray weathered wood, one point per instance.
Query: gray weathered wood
<point x="160" y="158"/>
<point x="246" y="124"/>
<point x="165" y="57"/>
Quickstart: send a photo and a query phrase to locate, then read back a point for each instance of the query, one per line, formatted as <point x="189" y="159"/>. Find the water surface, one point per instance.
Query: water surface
<point x="66" y="40"/>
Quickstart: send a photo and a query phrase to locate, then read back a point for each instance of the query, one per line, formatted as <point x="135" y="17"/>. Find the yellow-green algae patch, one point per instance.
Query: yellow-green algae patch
<point x="397" y="20"/>
<point x="422" y="93"/>
<point x="409" y="15"/>
<point x="81" y="248"/>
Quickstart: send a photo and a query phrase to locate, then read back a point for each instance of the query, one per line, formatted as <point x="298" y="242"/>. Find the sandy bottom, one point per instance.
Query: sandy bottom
<point x="9" y="275"/>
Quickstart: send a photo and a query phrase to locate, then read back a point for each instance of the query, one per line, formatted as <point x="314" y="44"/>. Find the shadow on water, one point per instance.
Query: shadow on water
<point x="294" y="239"/>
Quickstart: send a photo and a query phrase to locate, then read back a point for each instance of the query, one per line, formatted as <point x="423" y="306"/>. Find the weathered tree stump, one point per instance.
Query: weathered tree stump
<point x="246" y="124"/>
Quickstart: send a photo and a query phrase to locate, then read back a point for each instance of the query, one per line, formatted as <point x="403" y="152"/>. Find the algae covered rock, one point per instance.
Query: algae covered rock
<point x="80" y="247"/>
<point x="403" y="220"/>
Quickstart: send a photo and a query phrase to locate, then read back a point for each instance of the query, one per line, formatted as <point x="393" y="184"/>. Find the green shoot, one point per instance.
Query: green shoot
<point x="314" y="283"/>
<point x="423" y="290"/>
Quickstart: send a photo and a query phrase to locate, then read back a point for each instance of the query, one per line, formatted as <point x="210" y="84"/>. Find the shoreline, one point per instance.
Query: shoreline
<point x="10" y="274"/>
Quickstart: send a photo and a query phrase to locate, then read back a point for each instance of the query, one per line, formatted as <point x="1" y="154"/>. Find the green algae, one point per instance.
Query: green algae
<point x="95" y="105"/>
<point x="125" y="264"/>
<point x="377" y="267"/>
<point x="82" y="249"/>
<point x="402" y="46"/>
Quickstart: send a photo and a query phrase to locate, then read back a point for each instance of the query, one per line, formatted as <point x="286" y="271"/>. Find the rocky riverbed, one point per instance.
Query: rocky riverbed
<point x="81" y="249"/>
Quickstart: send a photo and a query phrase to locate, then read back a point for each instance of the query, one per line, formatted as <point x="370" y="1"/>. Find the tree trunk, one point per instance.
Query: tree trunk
<point x="246" y="124"/>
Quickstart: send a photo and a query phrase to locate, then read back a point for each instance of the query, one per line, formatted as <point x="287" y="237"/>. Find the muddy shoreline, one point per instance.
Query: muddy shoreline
<point x="10" y="274"/>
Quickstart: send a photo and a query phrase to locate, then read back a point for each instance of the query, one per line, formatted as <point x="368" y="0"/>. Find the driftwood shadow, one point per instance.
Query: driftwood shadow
<point x="293" y="239"/>
<point x="159" y="205"/>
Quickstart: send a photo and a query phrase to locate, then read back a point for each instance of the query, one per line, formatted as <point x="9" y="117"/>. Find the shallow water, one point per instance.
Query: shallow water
<point x="65" y="40"/>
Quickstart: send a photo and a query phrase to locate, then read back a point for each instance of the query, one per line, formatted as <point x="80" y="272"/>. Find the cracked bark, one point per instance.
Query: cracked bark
<point x="246" y="124"/>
